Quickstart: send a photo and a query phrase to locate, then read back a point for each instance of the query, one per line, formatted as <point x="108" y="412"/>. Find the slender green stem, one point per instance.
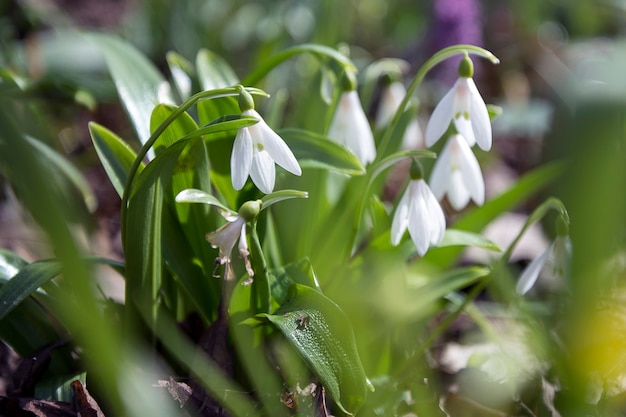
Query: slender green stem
<point x="209" y="94"/>
<point x="551" y="203"/>
<point x="261" y="282"/>
<point x="279" y="58"/>
<point x="419" y="77"/>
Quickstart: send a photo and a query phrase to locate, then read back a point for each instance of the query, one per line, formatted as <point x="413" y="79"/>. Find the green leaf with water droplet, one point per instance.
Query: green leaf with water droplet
<point x="322" y="334"/>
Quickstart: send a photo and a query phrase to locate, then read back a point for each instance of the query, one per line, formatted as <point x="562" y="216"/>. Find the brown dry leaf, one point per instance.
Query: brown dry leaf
<point x="84" y="403"/>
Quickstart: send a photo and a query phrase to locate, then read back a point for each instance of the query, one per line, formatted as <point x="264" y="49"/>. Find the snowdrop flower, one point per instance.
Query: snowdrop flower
<point x="350" y="127"/>
<point x="418" y="211"/>
<point x="391" y="97"/>
<point x="558" y="253"/>
<point x="464" y="106"/>
<point x="457" y="174"/>
<point x="226" y="236"/>
<point x="390" y="100"/>
<point x="255" y="151"/>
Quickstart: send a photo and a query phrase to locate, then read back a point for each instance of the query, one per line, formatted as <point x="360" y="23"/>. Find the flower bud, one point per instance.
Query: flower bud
<point x="249" y="210"/>
<point x="466" y="67"/>
<point x="562" y="226"/>
<point x="246" y="102"/>
<point x="416" y="172"/>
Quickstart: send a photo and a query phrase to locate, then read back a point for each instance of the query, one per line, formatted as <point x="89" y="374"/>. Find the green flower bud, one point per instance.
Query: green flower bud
<point x="250" y="209"/>
<point x="349" y="82"/>
<point x="246" y="102"/>
<point x="562" y="226"/>
<point x="466" y="67"/>
<point x="416" y="172"/>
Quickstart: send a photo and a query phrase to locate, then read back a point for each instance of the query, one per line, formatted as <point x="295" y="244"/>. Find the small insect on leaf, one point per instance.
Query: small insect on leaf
<point x="303" y="320"/>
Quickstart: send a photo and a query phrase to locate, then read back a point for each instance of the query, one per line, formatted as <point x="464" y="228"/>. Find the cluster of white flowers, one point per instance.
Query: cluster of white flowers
<point x="456" y="173"/>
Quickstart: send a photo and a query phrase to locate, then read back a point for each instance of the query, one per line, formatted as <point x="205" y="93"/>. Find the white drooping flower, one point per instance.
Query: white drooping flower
<point x="351" y="129"/>
<point x="420" y="212"/>
<point x="558" y="255"/>
<point x="391" y="97"/>
<point x="255" y="151"/>
<point x="464" y="106"/>
<point x="390" y="100"/>
<point x="457" y="174"/>
<point x="226" y="236"/>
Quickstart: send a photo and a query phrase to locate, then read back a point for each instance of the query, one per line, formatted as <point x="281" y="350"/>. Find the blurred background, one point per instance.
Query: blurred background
<point x="560" y="85"/>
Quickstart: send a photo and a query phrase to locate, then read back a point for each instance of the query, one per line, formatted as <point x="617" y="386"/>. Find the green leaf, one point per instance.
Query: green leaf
<point x="454" y="237"/>
<point x="224" y="124"/>
<point x="68" y="170"/>
<point x="10" y="264"/>
<point x="181" y="126"/>
<point x="137" y="80"/>
<point x="213" y="71"/>
<point x="439" y="287"/>
<point x="323" y="336"/>
<point x="182" y="71"/>
<point x="281" y="195"/>
<point x="198" y="196"/>
<point x="115" y="155"/>
<point x="25" y="282"/>
<point x="299" y="272"/>
<point x="142" y="239"/>
<point x="314" y="150"/>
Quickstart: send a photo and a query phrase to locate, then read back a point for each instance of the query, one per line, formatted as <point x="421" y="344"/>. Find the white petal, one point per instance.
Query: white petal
<point x="390" y="100"/>
<point x="278" y="149"/>
<point x="531" y="273"/>
<point x="262" y="172"/>
<point x="413" y="137"/>
<point x="458" y="195"/>
<point x="351" y="128"/>
<point x="479" y="116"/>
<point x="418" y="224"/>
<point x="226" y="236"/>
<point x="241" y="158"/>
<point x="464" y="127"/>
<point x="441" y="117"/>
<point x="400" y="219"/>
<point x="440" y="175"/>
<point x="437" y="220"/>
<point x="470" y="169"/>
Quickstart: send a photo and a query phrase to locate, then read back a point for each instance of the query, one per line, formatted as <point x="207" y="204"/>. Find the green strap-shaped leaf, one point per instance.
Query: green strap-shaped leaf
<point x="312" y="149"/>
<point x="25" y="282"/>
<point x="454" y="237"/>
<point x="10" y="264"/>
<point x="137" y="80"/>
<point x="115" y="155"/>
<point x="213" y="71"/>
<point x="182" y="72"/>
<point x="323" y="336"/>
<point x="183" y="125"/>
<point x="69" y="171"/>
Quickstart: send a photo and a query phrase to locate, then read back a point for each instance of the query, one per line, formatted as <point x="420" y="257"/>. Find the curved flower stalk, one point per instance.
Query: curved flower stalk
<point x="457" y="174"/>
<point x="420" y="213"/>
<point x="350" y="127"/>
<point x="255" y="151"/>
<point x="558" y="254"/>
<point x="464" y="106"/>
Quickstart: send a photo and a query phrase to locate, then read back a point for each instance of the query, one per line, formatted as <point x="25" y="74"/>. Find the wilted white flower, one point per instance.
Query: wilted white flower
<point x="420" y="212"/>
<point x="255" y="151"/>
<point x="464" y="106"/>
<point x="457" y="174"/>
<point x="558" y="254"/>
<point x="350" y="127"/>
<point x="225" y="237"/>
